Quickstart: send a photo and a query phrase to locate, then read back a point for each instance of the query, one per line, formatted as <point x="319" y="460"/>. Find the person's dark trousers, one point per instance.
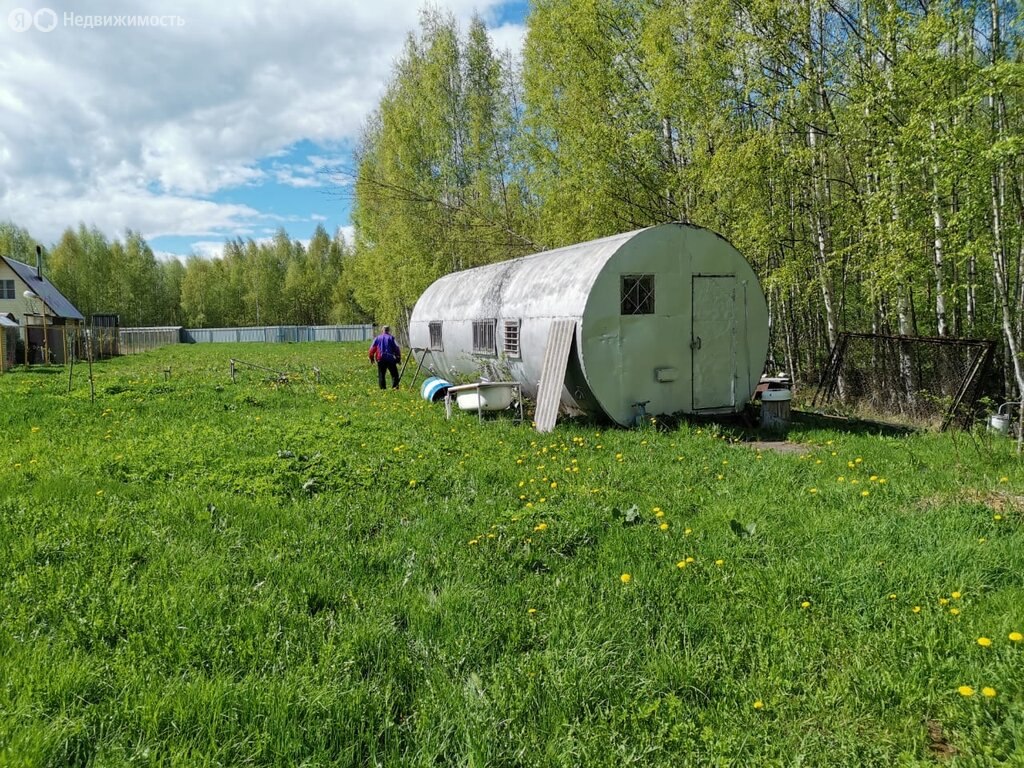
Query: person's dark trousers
<point x="393" y="368"/>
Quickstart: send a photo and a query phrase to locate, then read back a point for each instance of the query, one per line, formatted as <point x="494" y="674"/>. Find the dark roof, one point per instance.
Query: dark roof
<point x="46" y="290"/>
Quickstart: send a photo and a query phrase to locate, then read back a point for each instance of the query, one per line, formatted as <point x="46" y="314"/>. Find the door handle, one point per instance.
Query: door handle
<point x="695" y="344"/>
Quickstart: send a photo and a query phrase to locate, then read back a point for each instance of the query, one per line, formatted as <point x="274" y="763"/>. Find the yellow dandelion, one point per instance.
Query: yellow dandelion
<point x="1004" y="479"/>
<point x="625" y="578"/>
<point x="474" y="541"/>
<point x="997" y="517"/>
<point x="873" y="478"/>
<point x="687" y="531"/>
<point x="865" y="493"/>
<point x="943" y="601"/>
<point x="840" y="479"/>
<point x="35" y="429"/>
<point x="681" y="564"/>
<point x="916" y="609"/>
<point x="989" y="692"/>
<point x="540" y="527"/>
<point x="805" y="604"/>
<point x="984" y="642"/>
<point x="955" y="595"/>
<point x="882" y="481"/>
<point x="719" y="563"/>
<point x="981" y="539"/>
<point x="892" y="596"/>
<point x="412" y="483"/>
<point x="690" y="560"/>
<point x="965" y="690"/>
<point x="758" y="704"/>
<point x="954" y="611"/>
<point x="1016" y="637"/>
<point x="813" y="490"/>
<point x="663" y="527"/>
<point x="531" y="610"/>
<point x="99" y="493"/>
<point x="658" y="512"/>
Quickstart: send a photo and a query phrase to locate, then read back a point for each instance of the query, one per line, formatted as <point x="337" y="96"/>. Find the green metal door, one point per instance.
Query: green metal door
<point x="713" y="342"/>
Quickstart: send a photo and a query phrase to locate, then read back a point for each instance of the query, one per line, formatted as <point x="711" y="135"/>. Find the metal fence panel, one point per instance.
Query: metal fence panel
<point x="135" y="340"/>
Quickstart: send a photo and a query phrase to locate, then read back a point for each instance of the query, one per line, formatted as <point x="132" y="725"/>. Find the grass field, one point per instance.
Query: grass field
<point x="198" y="572"/>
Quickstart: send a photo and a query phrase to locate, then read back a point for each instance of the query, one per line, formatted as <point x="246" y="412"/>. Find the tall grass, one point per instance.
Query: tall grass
<point x="195" y="571"/>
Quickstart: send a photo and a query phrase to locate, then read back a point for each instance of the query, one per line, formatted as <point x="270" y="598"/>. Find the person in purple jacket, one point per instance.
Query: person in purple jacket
<point x="387" y="354"/>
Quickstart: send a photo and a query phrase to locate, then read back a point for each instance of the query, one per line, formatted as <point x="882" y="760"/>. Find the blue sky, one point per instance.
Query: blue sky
<point x="191" y="122"/>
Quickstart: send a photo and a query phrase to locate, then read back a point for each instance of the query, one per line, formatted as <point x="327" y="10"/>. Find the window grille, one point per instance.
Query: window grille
<point x="435" y="336"/>
<point x="512" y="338"/>
<point x="638" y="294"/>
<point x="483" y="337"/>
<point x="6" y="289"/>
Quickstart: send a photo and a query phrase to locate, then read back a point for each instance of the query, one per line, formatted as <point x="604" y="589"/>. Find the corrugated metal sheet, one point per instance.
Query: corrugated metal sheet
<point x="556" y="358"/>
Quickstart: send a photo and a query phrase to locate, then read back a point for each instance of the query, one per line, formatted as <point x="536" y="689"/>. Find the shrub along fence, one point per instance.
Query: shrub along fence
<point x="135" y="340"/>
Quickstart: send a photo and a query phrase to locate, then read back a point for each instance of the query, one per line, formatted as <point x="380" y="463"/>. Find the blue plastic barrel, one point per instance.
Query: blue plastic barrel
<point x="433" y="389"/>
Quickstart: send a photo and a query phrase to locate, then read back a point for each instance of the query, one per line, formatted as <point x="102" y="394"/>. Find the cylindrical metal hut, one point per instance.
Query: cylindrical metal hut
<point x="671" y="315"/>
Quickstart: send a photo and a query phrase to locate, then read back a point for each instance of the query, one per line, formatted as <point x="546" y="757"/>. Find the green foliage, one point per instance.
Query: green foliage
<point x="435" y="190"/>
<point x="206" y="572"/>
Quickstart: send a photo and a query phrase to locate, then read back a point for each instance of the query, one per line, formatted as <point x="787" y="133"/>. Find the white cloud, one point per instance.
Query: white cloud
<point x="141" y="126"/>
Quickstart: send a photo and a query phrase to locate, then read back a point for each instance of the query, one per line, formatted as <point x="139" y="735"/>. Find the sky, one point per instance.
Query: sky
<point x="192" y="121"/>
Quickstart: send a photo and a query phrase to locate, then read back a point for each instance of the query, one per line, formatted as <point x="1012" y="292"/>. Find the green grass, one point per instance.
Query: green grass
<point x="199" y="572"/>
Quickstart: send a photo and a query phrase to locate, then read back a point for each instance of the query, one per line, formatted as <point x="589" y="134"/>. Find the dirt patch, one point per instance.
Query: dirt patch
<point x="998" y="501"/>
<point x="779" y="446"/>
<point x="938" y="746"/>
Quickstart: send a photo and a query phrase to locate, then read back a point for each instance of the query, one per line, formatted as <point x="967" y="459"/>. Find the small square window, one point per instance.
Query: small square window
<point x="638" y="294"/>
<point x="435" y="336"/>
<point x="483" y="337"/>
<point x="6" y="289"/>
<point x="511" y="340"/>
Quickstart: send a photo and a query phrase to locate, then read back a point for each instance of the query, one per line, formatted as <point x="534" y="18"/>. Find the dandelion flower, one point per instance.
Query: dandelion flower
<point x="1016" y="637"/>
<point x="805" y="604"/>
<point x="892" y="596"/>
<point x="943" y="601"/>
<point x="1004" y="479"/>
<point x="955" y="595"/>
<point x="663" y="527"/>
<point x="687" y="531"/>
<point x="658" y="512"/>
<point x="474" y="541"/>
<point x="864" y="493"/>
<point x="997" y="517"/>
<point x="681" y="564"/>
<point x="625" y="578"/>
<point x="916" y="609"/>
<point x="540" y="527"/>
<point x="954" y="611"/>
<point x="965" y="690"/>
<point x="99" y="493"/>
<point x="719" y="563"/>
<point x="531" y="610"/>
<point x="758" y="704"/>
<point x="813" y="490"/>
<point x="412" y="483"/>
<point x="989" y="692"/>
<point x="984" y="642"/>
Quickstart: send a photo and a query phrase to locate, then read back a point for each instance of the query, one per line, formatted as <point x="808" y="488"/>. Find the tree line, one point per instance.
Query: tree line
<point x="865" y="155"/>
<point x="278" y="282"/>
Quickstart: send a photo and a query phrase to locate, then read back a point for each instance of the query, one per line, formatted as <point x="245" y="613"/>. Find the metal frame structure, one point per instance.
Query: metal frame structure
<point x="966" y="392"/>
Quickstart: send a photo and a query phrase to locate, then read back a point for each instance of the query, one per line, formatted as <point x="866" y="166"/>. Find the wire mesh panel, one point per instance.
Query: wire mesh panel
<point x="910" y="379"/>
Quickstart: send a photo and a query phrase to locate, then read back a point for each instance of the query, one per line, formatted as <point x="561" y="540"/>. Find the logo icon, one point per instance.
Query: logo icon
<point x="20" y="20"/>
<point x="45" y="19"/>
